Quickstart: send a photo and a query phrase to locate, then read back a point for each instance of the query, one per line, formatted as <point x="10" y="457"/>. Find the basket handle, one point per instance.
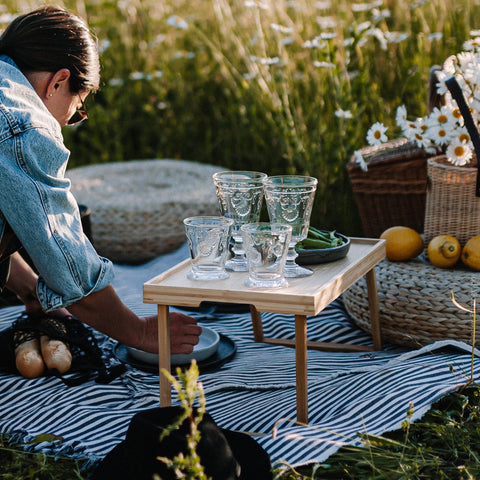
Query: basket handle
<point x="457" y="94"/>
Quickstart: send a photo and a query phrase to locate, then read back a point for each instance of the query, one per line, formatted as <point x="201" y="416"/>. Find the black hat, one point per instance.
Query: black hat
<point x="224" y="454"/>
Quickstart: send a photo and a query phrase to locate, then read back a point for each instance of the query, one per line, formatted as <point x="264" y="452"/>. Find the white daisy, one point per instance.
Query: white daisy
<point x="343" y="113"/>
<point x="401" y="115"/>
<point x="376" y="134"/>
<point x="177" y="22"/>
<point x="438" y="134"/>
<point x="360" y="160"/>
<point x="458" y="152"/>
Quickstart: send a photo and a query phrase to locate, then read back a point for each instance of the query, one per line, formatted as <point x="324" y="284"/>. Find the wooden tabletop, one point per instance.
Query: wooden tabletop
<point x="303" y="296"/>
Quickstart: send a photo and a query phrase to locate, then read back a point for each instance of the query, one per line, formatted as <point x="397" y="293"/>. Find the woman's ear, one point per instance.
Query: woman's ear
<point x="58" y="81"/>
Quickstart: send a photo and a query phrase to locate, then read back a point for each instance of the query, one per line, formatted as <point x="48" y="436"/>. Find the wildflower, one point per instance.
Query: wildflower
<point x="318" y="64"/>
<point x="417" y="4"/>
<point x="287" y="41"/>
<point x="177" y="22"/>
<point x="435" y="36"/>
<point x="136" y="76"/>
<point x="376" y="134"/>
<point x="380" y="15"/>
<point x="475" y="33"/>
<point x="472" y="44"/>
<point x="323" y="5"/>
<point x="104" y="45"/>
<point x="327" y="22"/>
<point x="256" y="4"/>
<point x="265" y="61"/>
<point x="325" y="36"/>
<point x="396" y="37"/>
<point x="401" y="116"/>
<point x="343" y="113"/>
<point x="315" y="43"/>
<point x="116" y="82"/>
<point x="6" y="18"/>
<point x="379" y="35"/>
<point x="184" y="54"/>
<point x="361" y="7"/>
<point x="281" y="28"/>
<point x="441" y="116"/>
<point x="458" y="152"/>
<point x="438" y="134"/>
<point x="360" y="160"/>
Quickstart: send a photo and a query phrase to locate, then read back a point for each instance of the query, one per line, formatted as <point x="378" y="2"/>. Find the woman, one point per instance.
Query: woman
<point x="48" y="66"/>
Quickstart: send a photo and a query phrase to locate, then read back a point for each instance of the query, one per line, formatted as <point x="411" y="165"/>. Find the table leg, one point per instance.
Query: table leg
<point x="301" y="367"/>
<point x="374" y="309"/>
<point x="256" y="324"/>
<point x="164" y="355"/>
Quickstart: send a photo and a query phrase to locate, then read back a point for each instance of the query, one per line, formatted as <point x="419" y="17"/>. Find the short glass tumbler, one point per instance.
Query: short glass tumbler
<point x="266" y="247"/>
<point x="208" y="239"/>
<point x="289" y="200"/>
<point x="240" y="196"/>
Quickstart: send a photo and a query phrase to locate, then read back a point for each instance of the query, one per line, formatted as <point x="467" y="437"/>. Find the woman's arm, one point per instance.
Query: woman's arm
<point x="104" y="311"/>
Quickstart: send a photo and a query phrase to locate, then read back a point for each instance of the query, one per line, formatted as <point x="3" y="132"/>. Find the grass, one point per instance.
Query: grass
<point x="289" y="88"/>
<point x="444" y="444"/>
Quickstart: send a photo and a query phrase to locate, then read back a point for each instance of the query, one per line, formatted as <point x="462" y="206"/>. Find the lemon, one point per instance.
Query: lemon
<point x="471" y="253"/>
<point x="402" y="243"/>
<point x="444" y="251"/>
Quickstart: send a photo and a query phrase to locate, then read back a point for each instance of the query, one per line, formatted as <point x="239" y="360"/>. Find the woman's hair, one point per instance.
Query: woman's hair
<point x="49" y="39"/>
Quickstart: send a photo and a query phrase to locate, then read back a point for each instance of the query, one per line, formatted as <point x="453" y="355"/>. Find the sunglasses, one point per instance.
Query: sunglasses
<point x="79" y="116"/>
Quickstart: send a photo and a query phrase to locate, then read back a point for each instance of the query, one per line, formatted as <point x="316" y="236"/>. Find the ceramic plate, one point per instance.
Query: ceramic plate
<point x="206" y="347"/>
<point x="324" y="255"/>
<point x="225" y="352"/>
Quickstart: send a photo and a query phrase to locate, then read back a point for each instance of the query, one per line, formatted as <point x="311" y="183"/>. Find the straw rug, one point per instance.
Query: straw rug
<point x="348" y="392"/>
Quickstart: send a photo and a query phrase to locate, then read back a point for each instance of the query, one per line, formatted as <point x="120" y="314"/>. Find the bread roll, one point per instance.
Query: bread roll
<point x="28" y="359"/>
<point x="56" y="354"/>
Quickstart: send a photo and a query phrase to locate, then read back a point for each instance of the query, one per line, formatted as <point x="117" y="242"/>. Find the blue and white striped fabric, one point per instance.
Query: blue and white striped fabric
<point x="254" y="392"/>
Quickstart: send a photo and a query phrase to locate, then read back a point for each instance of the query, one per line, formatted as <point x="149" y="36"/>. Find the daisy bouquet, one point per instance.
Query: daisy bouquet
<point x="443" y="130"/>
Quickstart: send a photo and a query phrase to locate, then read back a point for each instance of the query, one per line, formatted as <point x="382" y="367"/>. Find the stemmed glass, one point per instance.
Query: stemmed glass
<point x="240" y="196"/>
<point x="289" y="200"/>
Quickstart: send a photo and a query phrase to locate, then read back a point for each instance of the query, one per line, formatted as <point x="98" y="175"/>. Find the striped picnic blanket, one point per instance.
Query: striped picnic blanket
<point x="254" y="391"/>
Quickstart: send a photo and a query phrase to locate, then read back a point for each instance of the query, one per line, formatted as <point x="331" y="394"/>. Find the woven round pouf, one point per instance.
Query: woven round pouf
<point x="415" y="302"/>
<point x="137" y="206"/>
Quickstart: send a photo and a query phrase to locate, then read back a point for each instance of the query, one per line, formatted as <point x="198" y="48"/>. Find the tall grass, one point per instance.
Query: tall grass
<point x="275" y="85"/>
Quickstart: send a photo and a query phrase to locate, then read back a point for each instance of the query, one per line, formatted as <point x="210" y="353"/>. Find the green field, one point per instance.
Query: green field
<point x="281" y="87"/>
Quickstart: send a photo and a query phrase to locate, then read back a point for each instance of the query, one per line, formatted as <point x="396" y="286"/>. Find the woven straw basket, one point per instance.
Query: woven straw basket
<point x="137" y="207"/>
<point x="451" y="207"/>
<point x="393" y="190"/>
<point x="415" y="303"/>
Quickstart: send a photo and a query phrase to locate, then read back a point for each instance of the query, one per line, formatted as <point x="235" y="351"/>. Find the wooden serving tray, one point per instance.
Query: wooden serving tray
<point x="303" y="296"/>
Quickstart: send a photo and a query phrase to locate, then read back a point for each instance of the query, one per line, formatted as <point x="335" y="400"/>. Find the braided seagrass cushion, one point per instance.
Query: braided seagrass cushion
<point x="137" y="206"/>
<point x="415" y="302"/>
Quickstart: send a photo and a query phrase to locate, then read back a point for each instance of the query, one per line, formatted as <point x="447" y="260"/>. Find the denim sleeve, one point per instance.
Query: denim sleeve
<point x="37" y="202"/>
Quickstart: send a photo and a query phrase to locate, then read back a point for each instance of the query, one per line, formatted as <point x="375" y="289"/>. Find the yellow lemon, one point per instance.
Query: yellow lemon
<point x="471" y="253"/>
<point x="402" y="243"/>
<point x="444" y="251"/>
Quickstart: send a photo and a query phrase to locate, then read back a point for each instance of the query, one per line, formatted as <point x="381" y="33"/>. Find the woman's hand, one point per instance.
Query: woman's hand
<point x="184" y="333"/>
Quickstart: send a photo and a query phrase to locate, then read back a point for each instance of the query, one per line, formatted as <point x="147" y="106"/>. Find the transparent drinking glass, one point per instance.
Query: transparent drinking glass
<point x="289" y="200"/>
<point x="240" y="196"/>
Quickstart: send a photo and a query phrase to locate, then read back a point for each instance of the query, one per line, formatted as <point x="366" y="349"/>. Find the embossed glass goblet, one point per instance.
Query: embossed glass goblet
<point x="240" y="196"/>
<point x="289" y="200"/>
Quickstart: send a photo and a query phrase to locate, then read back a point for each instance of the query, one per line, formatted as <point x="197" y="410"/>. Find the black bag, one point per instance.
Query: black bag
<point x="88" y="360"/>
<point x="224" y="454"/>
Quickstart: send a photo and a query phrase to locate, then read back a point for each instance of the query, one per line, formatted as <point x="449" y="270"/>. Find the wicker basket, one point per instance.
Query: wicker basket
<point x="393" y="190"/>
<point x="415" y="302"/>
<point x="451" y="207"/>
<point x="137" y="206"/>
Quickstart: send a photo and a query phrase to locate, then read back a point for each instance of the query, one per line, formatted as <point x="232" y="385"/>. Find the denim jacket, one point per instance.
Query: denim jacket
<point x="35" y="196"/>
